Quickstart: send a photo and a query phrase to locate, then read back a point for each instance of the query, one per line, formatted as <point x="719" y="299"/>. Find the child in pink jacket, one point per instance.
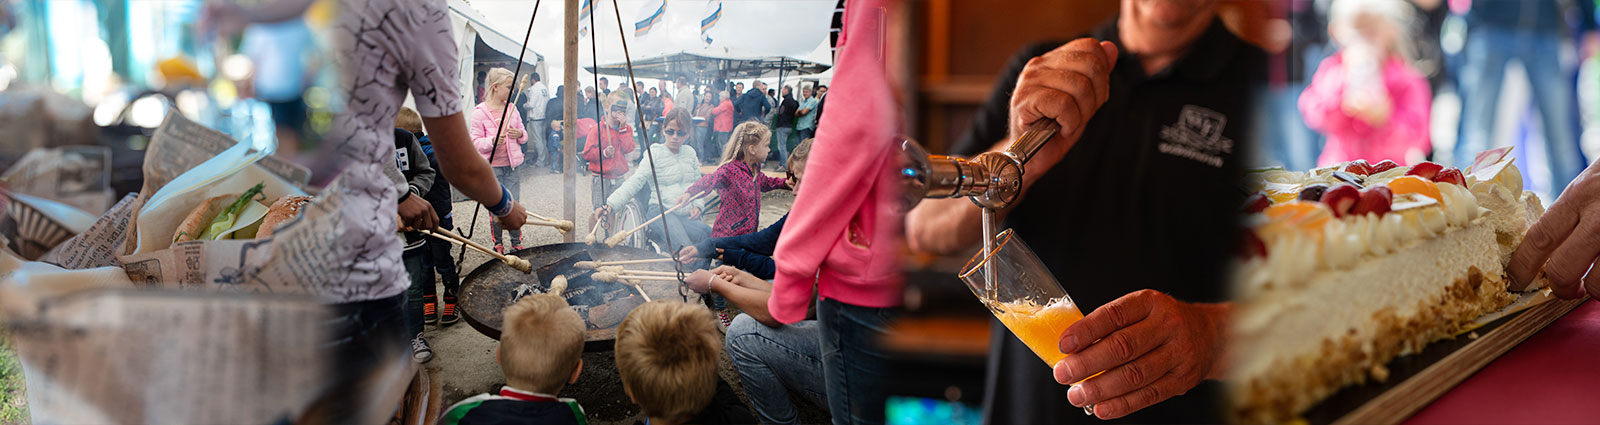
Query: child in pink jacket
<point x="507" y="154"/>
<point x="1367" y="98"/>
<point x="843" y="235"/>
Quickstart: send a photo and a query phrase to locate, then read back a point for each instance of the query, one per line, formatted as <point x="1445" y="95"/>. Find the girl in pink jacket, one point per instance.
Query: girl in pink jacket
<point x="1367" y="98"/>
<point x="505" y="155"/>
<point x="843" y="235"/>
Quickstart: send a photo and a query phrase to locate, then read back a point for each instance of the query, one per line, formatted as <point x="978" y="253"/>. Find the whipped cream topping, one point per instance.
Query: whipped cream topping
<point x="1295" y="254"/>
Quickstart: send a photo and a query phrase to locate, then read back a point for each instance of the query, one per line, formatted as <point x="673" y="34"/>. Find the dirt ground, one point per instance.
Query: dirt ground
<point x="464" y="358"/>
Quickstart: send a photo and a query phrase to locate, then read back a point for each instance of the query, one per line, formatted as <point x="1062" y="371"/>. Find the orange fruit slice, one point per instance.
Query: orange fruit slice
<point x="1417" y="185"/>
<point x="1302" y="214"/>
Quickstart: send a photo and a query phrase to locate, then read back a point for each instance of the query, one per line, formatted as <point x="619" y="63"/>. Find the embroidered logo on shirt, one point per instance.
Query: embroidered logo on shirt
<point x="1197" y="136"/>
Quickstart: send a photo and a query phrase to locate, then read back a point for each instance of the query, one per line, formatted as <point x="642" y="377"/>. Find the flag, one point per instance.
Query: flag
<point x="713" y="14"/>
<point x="652" y="13"/>
<point x="583" y="17"/>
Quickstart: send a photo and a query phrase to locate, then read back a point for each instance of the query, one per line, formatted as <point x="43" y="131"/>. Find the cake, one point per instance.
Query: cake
<point x="1344" y="268"/>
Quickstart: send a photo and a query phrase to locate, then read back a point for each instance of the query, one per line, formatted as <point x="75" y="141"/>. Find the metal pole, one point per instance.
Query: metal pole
<point x="569" y="114"/>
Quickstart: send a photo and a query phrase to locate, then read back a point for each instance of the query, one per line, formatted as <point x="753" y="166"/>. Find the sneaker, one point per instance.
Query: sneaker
<point x="725" y="318"/>
<point x="430" y="311"/>
<point x="500" y="248"/>
<point x="420" y="352"/>
<point x="518" y="247"/>
<point x="449" y="317"/>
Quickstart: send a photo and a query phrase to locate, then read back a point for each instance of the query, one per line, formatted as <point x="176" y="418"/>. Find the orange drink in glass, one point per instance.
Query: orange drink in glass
<point x="1025" y="296"/>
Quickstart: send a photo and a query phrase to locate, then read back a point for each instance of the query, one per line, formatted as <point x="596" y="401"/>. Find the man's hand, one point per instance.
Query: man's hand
<point x="516" y="218"/>
<point x="694" y="213"/>
<point x="417" y="214"/>
<point x="1565" y="242"/>
<point x="1151" y="347"/>
<point x="1068" y="85"/>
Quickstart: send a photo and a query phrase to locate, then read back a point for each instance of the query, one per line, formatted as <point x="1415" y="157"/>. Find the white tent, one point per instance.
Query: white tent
<point x="765" y="28"/>
<point x="469" y="25"/>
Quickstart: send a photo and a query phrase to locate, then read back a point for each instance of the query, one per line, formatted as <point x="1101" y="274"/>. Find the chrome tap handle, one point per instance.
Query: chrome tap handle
<point x="1031" y="140"/>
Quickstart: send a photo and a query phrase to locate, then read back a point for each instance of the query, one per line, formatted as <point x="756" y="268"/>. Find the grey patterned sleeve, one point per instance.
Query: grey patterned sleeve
<point x="432" y="56"/>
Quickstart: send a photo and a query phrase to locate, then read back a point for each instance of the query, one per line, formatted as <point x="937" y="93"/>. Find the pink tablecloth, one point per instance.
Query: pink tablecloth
<point x="1552" y="378"/>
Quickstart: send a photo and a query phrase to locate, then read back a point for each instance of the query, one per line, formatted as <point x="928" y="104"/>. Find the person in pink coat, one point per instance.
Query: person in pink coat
<point x="1367" y="99"/>
<point x="505" y="153"/>
<point x="843" y="235"/>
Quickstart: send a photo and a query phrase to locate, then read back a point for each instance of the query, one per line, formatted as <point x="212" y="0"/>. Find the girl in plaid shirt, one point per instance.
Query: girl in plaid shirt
<point x="738" y="181"/>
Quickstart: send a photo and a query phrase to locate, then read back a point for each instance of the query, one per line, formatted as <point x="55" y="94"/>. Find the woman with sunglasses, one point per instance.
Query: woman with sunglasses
<point x="677" y="166"/>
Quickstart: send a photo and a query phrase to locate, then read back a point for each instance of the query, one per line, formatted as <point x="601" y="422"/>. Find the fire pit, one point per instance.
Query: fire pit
<point x="490" y="288"/>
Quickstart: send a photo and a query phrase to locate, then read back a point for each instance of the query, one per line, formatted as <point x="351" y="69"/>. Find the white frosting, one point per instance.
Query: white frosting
<point x="1294" y="254"/>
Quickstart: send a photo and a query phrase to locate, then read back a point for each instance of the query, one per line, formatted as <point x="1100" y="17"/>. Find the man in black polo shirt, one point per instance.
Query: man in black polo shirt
<point x="1137" y="194"/>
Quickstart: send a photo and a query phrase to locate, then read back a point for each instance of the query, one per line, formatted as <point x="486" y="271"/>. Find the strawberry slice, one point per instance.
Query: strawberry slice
<point x="1384" y="165"/>
<point x="1450" y="175"/>
<point x="1425" y="170"/>
<point x="1341" y="199"/>
<point x="1256" y="203"/>
<point x="1358" y="167"/>
<point x="1374" y="200"/>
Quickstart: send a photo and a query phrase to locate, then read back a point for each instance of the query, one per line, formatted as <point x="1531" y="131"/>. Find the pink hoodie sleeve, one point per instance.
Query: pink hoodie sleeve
<point x="849" y="150"/>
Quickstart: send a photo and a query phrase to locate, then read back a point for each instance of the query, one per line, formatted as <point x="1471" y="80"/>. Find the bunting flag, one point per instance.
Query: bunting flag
<point x="713" y="14"/>
<point x="652" y="13"/>
<point x="583" y="17"/>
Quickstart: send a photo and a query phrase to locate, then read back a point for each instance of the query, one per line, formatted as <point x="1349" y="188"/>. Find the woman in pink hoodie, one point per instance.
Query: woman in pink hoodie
<point x="506" y="153"/>
<point x="843" y="233"/>
<point x="1367" y="98"/>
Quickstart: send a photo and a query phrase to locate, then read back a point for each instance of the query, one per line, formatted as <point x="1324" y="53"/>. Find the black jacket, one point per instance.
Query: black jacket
<point x="786" y="110"/>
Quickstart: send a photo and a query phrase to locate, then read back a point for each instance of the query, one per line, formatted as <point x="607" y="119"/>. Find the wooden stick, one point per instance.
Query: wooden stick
<point x="617" y="238"/>
<point x="515" y="262"/>
<point x="563" y="225"/>
<point x="534" y="215"/>
<point x="641" y="292"/>
<point x="598" y="264"/>
<point x="613" y="277"/>
<point x="622" y="271"/>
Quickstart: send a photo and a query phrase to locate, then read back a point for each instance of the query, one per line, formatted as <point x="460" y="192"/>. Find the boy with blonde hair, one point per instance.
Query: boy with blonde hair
<point x="540" y="352"/>
<point x="667" y="356"/>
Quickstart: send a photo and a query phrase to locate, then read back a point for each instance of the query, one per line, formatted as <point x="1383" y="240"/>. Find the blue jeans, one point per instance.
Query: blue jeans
<point x="509" y="178"/>
<point x="772" y="362"/>
<point x="806" y="133"/>
<point x="853" y="367"/>
<point x="1485" y="56"/>
<point x="782" y="135"/>
<point x="416" y="261"/>
<point x="1292" y="144"/>
<point x="683" y="230"/>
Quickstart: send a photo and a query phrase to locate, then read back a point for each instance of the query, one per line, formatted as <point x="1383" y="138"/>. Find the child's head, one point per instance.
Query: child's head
<point x="676" y="127"/>
<point x="541" y="344"/>
<point x="747" y="143"/>
<point x="497" y="84"/>
<point x="667" y="357"/>
<point x="1383" y="25"/>
<point x="797" y="164"/>
<point x="617" y="109"/>
<point x="408" y="120"/>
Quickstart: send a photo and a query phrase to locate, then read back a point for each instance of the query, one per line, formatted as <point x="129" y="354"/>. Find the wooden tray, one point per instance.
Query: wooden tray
<point x="1416" y="380"/>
